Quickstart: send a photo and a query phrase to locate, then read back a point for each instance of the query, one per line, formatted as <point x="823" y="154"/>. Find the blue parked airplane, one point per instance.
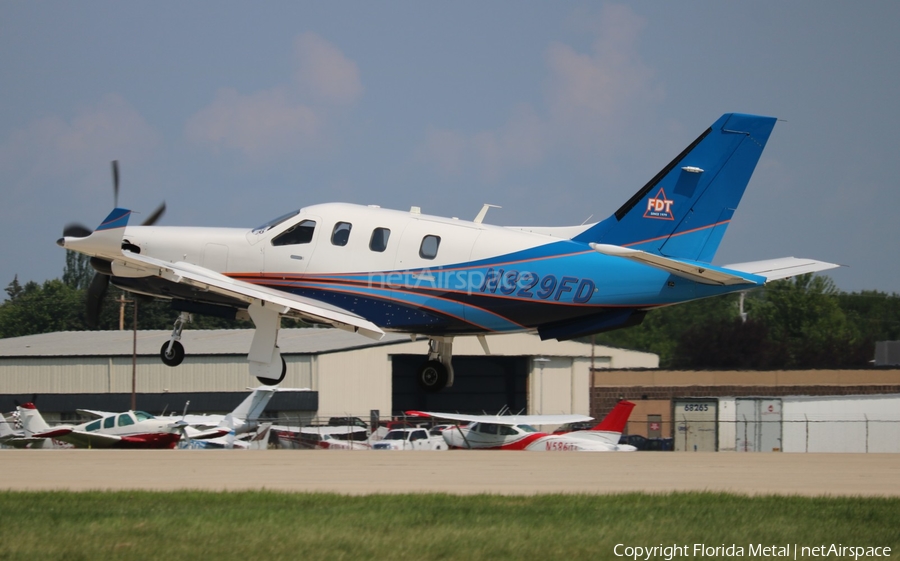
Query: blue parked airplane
<point x="371" y="270"/>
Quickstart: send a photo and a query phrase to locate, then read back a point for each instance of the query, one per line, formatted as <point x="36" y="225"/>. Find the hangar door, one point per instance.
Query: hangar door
<point x="695" y="425"/>
<point x="482" y="384"/>
<point x="758" y="427"/>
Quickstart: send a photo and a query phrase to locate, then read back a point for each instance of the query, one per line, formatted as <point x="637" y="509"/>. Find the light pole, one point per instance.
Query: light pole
<point x="541" y="361"/>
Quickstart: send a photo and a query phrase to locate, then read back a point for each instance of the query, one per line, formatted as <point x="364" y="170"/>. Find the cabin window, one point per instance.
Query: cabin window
<point x="429" y="247"/>
<point x="379" y="241"/>
<point x="487" y="428"/>
<point x="109" y="422"/>
<point x="506" y="430"/>
<point x="125" y="419"/>
<point x="341" y="233"/>
<point x="93" y="426"/>
<point x="299" y="233"/>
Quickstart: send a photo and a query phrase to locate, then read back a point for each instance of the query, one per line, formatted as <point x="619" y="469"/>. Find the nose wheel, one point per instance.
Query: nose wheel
<point x="172" y="353"/>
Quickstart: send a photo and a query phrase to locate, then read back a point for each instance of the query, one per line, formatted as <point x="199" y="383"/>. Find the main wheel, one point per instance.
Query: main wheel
<point x="173" y="357"/>
<point x="270" y="381"/>
<point x="433" y="376"/>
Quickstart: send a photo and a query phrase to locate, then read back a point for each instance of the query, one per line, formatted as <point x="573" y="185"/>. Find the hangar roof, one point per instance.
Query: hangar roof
<point x="197" y="342"/>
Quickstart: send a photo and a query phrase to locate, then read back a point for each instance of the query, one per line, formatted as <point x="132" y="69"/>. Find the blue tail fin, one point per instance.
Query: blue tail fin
<point x="684" y="210"/>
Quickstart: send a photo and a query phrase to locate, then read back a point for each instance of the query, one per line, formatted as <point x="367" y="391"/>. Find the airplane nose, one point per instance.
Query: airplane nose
<point x="61" y="242"/>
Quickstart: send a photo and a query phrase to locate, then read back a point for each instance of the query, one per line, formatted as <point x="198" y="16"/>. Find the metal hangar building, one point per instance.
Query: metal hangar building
<point x="346" y="374"/>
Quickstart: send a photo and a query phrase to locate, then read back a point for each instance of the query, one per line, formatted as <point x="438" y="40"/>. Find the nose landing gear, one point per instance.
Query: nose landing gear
<point x="172" y="351"/>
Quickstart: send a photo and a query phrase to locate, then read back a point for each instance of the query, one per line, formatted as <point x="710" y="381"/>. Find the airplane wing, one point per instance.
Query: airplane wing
<point x="207" y="279"/>
<point x="754" y="273"/>
<point x="94" y="413"/>
<point x="82" y="439"/>
<point x="510" y="420"/>
<point x="205" y="434"/>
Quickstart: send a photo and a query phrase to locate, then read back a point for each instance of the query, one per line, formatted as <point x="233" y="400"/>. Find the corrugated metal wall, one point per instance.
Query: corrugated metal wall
<point x="113" y="375"/>
<point x="354" y="382"/>
<point x="841" y="424"/>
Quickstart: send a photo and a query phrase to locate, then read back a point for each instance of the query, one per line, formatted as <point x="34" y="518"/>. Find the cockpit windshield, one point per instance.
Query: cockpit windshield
<point x="142" y="416"/>
<point x="275" y="222"/>
<point x="527" y="428"/>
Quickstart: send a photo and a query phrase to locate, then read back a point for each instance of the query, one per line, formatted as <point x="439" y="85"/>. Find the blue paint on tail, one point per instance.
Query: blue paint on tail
<point x="684" y="210"/>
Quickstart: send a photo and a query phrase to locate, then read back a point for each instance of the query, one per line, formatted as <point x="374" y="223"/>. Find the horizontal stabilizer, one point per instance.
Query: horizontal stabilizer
<point x="782" y="268"/>
<point x="697" y="272"/>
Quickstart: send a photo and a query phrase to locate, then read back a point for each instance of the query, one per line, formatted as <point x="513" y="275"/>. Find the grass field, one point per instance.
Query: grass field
<point x="269" y="526"/>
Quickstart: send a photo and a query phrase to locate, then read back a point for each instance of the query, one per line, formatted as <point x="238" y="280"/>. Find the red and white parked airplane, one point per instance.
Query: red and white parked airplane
<point x="131" y="429"/>
<point x="515" y="432"/>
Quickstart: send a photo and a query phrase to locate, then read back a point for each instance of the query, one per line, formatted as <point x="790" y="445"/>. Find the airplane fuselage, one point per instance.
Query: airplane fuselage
<point x="410" y="272"/>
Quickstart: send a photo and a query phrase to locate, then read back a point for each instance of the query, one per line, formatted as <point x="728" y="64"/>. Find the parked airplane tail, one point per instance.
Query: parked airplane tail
<point x="684" y="210"/>
<point x="6" y="427"/>
<point x="32" y="421"/>
<point x="251" y="409"/>
<point x="616" y="419"/>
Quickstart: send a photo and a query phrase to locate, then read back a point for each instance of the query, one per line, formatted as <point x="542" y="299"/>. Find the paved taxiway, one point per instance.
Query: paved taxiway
<point x="459" y="472"/>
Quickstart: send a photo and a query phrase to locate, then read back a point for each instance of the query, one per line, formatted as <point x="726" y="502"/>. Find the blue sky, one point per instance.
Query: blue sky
<point x="235" y="112"/>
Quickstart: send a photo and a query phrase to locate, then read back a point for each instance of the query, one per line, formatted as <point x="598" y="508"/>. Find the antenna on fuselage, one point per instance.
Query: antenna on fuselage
<point x="483" y="212"/>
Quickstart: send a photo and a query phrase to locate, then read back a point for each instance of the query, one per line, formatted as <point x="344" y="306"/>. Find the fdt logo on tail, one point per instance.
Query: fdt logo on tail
<point x="327" y="263"/>
<point x="659" y="207"/>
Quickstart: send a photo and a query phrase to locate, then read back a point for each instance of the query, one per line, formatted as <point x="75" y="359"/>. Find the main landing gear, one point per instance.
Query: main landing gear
<point x="437" y="373"/>
<point x="266" y="362"/>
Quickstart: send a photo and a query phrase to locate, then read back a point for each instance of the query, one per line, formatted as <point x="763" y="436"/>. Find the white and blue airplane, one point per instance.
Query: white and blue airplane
<point x="372" y="270"/>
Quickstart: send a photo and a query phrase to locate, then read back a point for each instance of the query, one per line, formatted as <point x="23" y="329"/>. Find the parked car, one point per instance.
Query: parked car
<point x="644" y="443"/>
<point x="410" y="439"/>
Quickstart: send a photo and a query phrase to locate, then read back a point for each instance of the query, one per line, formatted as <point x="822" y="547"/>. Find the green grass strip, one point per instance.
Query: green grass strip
<point x="269" y="525"/>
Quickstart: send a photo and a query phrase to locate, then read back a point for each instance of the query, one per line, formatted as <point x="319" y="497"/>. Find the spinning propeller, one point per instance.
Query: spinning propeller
<point x="100" y="283"/>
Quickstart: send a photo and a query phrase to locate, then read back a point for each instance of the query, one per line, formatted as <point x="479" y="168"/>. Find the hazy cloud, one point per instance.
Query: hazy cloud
<point x="262" y="126"/>
<point x="324" y="72"/>
<point x="79" y="149"/>
<point x="591" y="99"/>
<point x="288" y="120"/>
<point x="612" y="77"/>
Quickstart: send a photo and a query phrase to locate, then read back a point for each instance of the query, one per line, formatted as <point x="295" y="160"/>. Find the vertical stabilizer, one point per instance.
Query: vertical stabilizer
<point x="616" y="419"/>
<point x="32" y="421"/>
<point x="684" y="210"/>
<point x="251" y="408"/>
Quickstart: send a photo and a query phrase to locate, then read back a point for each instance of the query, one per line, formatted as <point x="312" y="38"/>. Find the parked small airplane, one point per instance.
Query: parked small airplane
<point x="8" y="431"/>
<point x="515" y="432"/>
<point x="244" y="419"/>
<point x="131" y="429"/>
<point x="371" y="270"/>
<point x="255" y="439"/>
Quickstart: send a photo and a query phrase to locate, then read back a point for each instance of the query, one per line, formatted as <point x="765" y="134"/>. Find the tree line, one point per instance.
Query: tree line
<point x="804" y="322"/>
